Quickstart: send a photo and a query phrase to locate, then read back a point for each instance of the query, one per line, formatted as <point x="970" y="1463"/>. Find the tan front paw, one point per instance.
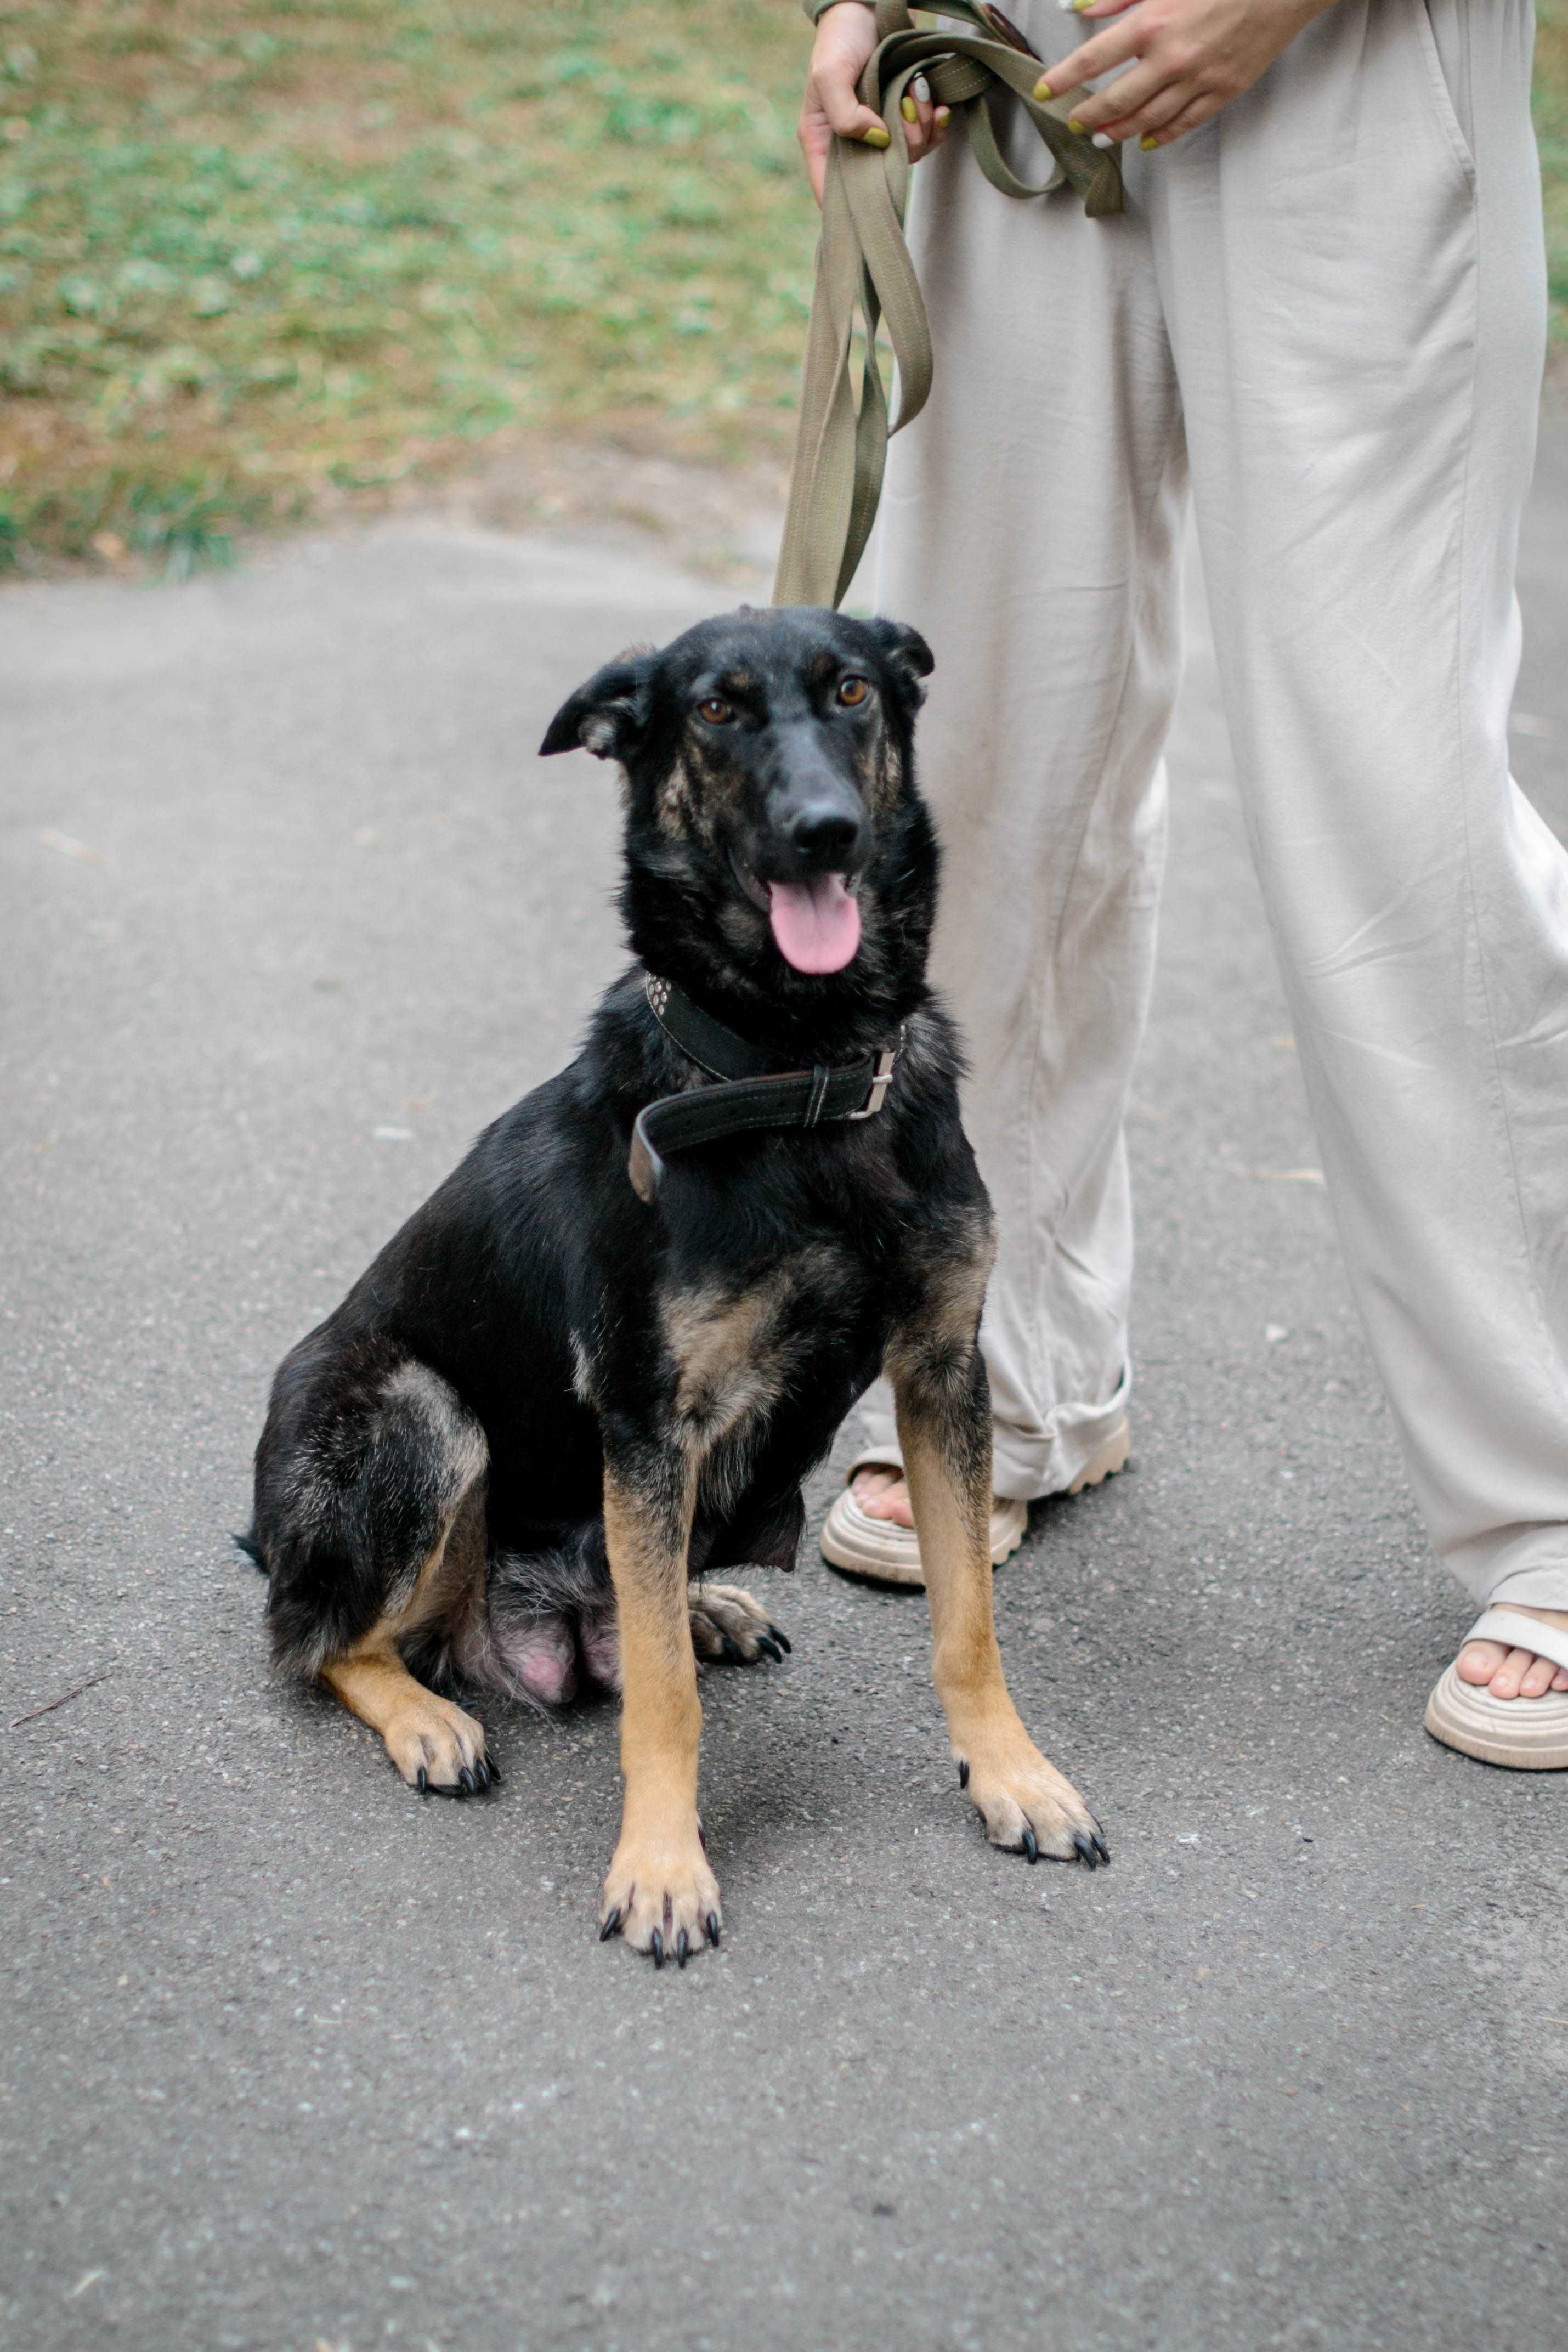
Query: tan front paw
<point x="661" y="1896"/>
<point x="439" y="1748"/>
<point x="1026" y="1804"/>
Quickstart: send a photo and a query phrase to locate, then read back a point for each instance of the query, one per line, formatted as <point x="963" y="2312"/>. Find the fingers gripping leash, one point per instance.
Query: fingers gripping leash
<point x="864" y="265"/>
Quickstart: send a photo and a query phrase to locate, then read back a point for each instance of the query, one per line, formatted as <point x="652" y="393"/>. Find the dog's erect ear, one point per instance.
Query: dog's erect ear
<point x="608" y="715"/>
<point x="906" y="654"/>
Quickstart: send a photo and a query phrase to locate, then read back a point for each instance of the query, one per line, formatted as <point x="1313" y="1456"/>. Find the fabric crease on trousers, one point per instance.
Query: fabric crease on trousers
<point x="1323" y="315"/>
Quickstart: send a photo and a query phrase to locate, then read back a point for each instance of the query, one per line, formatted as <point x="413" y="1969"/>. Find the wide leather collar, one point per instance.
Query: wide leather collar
<point x="752" y="1089"/>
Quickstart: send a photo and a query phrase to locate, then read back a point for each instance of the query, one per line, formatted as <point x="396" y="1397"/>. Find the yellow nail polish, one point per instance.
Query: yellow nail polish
<point x="1042" y="88"/>
<point x="1074" y="123"/>
<point x="877" y="136"/>
<point x="943" y="114"/>
<point x="909" y="111"/>
<point x="1146" y="143"/>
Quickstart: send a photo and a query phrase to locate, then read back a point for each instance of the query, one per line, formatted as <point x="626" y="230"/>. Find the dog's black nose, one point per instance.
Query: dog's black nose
<point x="823" y="835"/>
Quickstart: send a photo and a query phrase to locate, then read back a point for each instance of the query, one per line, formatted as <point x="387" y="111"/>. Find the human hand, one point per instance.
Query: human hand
<point x="1189" y="58"/>
<point x="846" y="35"/>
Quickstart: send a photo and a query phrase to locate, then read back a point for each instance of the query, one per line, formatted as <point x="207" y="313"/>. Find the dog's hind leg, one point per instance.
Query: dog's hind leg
<point x="729" y="1624"/>
<point x="389" y="1517"/>
<point x="730" y="1627"/>
<point x="944" y="1406"/>
<point x="432" y="1741"/>
<point x="659" y="1892"/>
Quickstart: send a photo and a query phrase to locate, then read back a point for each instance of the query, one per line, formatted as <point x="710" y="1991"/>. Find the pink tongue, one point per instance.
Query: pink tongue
<point x="817" y="924"/>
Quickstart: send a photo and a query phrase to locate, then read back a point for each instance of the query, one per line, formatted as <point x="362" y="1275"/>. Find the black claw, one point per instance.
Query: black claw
<point x="481" y="1776"/>
<point x="683" y="1949"/>
<point x="710" y="1924"/>
<point x="963" y="1772"/>
<point x="422" y="1782"/>
<point x="610" y="1924"/>
<point x="1102" y="1849"/>
<point x="465" y="1782"/>
<point x="656" y="1946"/>
<point x="1030" y="1845"/>
<point x="782" y="1639"/>
<point x="494" y="1772"/>
<point x="769" y="1648"/>
<point x="1085" y="1850"/>
<point x="732" y="1650"/>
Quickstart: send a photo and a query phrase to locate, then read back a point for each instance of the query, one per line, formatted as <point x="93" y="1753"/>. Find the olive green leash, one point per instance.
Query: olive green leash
<point x="862" y="263"/>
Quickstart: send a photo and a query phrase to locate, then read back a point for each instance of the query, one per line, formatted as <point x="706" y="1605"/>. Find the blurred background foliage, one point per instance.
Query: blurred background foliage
<point x="254" y="253"/>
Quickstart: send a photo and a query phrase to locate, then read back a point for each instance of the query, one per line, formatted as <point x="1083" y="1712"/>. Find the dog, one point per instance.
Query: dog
<point x="600" y="1360"/>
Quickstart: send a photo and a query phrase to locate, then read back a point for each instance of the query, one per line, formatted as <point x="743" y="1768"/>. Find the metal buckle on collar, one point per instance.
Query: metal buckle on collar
<point x="880" y="1080"/>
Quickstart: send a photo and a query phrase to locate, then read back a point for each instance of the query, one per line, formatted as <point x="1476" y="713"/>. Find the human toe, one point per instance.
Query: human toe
<point x="1505" y="1683"/>
<point x="1478" y="1661"/>
<point x="884" y="1495"/>
<point x="1539" y="1677"/>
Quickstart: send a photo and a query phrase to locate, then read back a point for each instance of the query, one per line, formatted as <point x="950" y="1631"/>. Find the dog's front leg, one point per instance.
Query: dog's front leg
<point x="659" y="1892"/>
<point x="945" y="1430"/>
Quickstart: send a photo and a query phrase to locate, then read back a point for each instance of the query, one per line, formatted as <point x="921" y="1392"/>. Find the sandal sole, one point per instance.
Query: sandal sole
<point x="874" y="1550"/>
<point x="1522" y="1735"/>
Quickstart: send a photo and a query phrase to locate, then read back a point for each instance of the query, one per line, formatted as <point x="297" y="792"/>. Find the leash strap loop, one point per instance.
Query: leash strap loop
<point x="863" y="264"/>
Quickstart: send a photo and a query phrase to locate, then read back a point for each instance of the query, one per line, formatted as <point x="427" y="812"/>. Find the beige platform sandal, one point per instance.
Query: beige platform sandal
<point x="1531" y="1735"/>
<point x="858" y="1545"/>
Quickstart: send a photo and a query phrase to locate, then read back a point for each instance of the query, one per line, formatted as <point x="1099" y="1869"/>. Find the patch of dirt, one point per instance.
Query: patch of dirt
<point x="721" y="521"/>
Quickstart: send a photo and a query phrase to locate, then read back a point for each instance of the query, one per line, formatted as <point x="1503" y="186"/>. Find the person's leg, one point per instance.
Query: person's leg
<point x="1028" y="531"/>
<point x="1350" y="259"/>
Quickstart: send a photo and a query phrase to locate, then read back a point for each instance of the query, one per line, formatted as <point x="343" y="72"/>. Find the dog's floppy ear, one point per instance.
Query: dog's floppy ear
<point x="906" y="654"/>
<point x="608" y="715"/>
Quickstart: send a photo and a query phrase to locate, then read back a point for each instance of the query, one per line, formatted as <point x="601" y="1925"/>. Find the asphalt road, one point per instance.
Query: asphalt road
<point x="291" y="2059"/>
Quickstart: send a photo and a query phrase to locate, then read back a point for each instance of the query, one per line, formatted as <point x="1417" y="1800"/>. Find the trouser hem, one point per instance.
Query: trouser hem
<point x="1025" y="1463"/>
<point x="1532" y="1587"/>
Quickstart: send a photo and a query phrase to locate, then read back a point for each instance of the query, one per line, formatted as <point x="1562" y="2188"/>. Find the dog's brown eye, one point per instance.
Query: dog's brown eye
<point x="852" y="690"/>
<point x="715" y="711"/>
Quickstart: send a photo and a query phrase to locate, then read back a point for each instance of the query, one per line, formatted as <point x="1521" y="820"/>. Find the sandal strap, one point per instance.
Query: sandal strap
<point x="1518" y="1631"/>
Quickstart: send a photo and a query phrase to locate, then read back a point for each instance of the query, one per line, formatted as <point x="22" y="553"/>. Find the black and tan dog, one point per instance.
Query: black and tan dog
<point x="563" y="1388"/>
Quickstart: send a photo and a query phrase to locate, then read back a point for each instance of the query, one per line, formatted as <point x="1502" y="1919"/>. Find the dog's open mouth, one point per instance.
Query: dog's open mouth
<point x="815" y="925"/>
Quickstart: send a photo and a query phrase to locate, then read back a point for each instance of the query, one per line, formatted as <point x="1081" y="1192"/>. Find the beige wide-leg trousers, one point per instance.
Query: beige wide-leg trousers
<point x="1327" y="308"/>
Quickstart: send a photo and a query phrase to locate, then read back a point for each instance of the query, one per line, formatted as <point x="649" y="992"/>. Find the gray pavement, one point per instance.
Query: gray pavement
<point x="291" y="2059"/>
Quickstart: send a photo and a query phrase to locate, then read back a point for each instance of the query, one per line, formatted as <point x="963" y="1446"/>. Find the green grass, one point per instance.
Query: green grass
<point x="257" y="254"/>
<point x="252" y="252"/>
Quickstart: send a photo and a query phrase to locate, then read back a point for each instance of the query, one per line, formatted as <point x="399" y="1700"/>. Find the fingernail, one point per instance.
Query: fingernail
<point x="1042" y="87"/>
<point x="1101" y="139"/>
<point x="921" y="89"/>
<point x="1074" y="123"/>
<point x="944" y="115"/>
<point x="877" y="136"/>
<point x="1146" y="143"/>
<point x="909" y="111"/>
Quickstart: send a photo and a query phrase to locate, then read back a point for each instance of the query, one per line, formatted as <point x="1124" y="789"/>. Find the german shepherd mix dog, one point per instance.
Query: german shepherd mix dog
<point x="602" y="1357"/>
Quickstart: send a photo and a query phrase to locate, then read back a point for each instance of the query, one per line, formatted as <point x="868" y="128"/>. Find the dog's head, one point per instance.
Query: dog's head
<point x="768" y="761"/>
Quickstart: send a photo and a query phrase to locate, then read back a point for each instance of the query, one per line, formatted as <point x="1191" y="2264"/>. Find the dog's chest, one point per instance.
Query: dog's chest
<point x="791" y="1337"/>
